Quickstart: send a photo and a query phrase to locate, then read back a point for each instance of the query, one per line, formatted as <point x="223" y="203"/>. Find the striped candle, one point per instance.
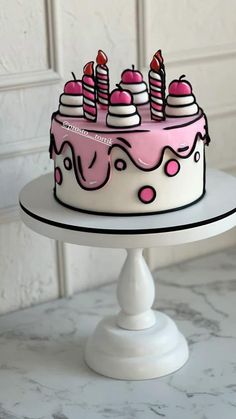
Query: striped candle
<point x="89" y="93"/>
<point x="102" y="79"/>
<point x="157" y="87"/>
<point x="158" y="55"/>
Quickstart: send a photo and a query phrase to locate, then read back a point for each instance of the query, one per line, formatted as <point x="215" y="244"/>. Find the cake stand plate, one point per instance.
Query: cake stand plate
<point x="138" y="342"/>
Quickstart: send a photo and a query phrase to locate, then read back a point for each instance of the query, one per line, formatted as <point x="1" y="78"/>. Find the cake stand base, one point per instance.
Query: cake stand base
<point x="136" y="355"/>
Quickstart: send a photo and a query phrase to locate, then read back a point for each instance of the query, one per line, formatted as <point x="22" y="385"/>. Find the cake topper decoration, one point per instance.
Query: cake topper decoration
<point x="89" y="93"/>
<point x="122" y="113"/>
<point x="132" y="80"/>
<point x="80" y="97"/>
<point x="157" y="83"/>
<point x="181" y="101"/>
<point x="71" y="101"/>
<point x="102" y="79"/>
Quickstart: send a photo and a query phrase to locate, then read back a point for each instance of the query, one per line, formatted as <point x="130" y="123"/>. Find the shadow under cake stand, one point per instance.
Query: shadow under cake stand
<point x="138" y="342"/>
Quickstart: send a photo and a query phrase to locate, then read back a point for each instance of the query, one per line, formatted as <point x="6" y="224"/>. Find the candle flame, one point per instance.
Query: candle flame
<point x="101" y="57"/>
<point x="155" y="64"/>
<point x="88" y="69"/>
<point x="158" y="55"/>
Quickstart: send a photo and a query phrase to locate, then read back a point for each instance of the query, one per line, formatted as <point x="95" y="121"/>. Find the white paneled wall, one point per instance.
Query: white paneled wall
<point x="44" y="40"/>
<point x="198" y="39"/>
<point x="28" y="271"/>
<point x="50" y="39"/>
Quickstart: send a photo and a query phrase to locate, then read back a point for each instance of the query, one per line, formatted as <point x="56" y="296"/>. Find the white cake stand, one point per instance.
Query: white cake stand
<point x="138" y="342"/>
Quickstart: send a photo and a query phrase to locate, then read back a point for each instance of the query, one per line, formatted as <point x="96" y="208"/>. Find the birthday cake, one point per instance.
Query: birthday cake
<point x="132" y="150"/>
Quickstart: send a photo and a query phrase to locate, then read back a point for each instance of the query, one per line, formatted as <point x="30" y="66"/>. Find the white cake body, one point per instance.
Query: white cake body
<point x="112" y="182"/>
<point x="119" y="195"/>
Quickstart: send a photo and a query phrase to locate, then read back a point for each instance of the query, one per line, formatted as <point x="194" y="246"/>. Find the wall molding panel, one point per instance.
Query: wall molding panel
<point x="20" y="148"/>
<point x="43" y="77"/>
<point x="207" y="55"/>
<point x="190" y="56"/>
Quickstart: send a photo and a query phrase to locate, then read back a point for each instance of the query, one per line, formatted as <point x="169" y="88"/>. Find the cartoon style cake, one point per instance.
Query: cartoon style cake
<point x="128" y="152"/>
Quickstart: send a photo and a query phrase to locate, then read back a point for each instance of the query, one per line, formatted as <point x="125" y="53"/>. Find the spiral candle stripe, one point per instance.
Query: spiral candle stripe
<point x="89" y="93"/>
<point x="157" y="86"/>
<point x="102" y="79"/>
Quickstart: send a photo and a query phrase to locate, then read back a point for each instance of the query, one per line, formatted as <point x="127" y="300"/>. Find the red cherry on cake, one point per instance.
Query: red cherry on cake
<point x="73" y="87"/>
<point x="120" y="97"/>
<point x="180" y="87"/>
<point x="131" y="76"/>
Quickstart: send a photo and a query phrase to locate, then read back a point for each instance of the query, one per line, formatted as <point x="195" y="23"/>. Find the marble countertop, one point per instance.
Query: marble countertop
<point x="43" y="375"/>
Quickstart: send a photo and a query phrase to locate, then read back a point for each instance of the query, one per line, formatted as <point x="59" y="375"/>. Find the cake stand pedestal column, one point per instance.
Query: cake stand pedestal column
<point x="138" y="342"/>
<point x="135" y="293"/>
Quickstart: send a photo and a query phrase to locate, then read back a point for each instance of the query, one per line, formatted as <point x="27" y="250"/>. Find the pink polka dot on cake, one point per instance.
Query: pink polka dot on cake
<point x="58" y="175"/>
<point x="147" y="194"/>
<point x="172" y="167"/>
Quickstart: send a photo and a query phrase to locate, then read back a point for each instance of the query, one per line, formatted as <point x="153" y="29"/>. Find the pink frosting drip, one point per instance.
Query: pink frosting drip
<point x="146" y="147"/>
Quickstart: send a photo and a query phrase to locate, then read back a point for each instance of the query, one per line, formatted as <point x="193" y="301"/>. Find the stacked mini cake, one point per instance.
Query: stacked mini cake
<point x="132" y="80"/>
<point x="71" y="101"/>
<point x="180" y="101"/>
<point x="122" y="113"/>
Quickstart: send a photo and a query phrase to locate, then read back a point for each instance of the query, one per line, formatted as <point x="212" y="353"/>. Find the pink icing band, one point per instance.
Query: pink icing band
<point x="156" y="106"/>
<point x="156" y="82"/>
<point x="102" y="76"/>
<point x="104" y="95"/>
<point x="88" y="80"/>
<point x="88" y="94"/>
<point x="103" y="86"/>
<point x="89" y="109"/>
<point x="155" y="94"/>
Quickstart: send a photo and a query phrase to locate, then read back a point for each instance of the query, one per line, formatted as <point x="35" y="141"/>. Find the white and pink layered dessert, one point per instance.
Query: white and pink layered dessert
<point x="130" y="158"/>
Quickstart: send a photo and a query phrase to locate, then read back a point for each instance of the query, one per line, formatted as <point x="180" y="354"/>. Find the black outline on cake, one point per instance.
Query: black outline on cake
<point x="182" y="149"/>
<point x="93" y="160"/>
